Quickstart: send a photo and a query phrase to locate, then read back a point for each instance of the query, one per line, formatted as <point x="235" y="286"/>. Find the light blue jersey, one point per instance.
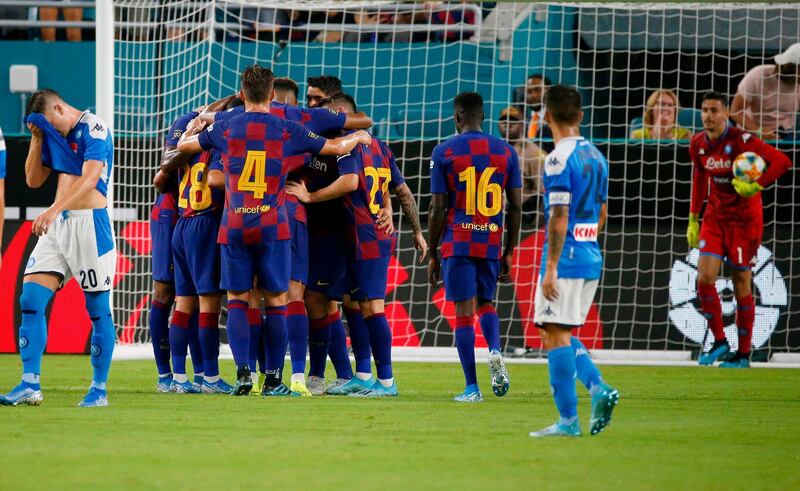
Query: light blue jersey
<point x="576" y="175"/>
<point x="90" y="139"/>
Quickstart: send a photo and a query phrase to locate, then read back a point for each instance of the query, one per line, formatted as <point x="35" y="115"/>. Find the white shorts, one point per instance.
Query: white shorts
<point x="79" y="243"/>
<point x="575" y="296"/>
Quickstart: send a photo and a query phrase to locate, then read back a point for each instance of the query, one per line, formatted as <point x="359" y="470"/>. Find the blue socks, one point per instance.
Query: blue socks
<point x="490" y="326"/>
<point x="238" y="332"/>
<point x="159" y="335"/>
<point x="33" y="331"/>
<point x="359" y="340"/>
<point x="297" y="325"/>
<point x="380" y="339"/>
<point x="561" y="364"/>
<point x="179" y="341"/>
<point x="275" y="336"/>
<point x="209" y="342"/>
<point x="319" y="339"/>
<point x="254" y="321"/>
<point x="587" y="371"/>
<point x="194" y="343"/>
<point x="104" y="335"/>
<point x="338" y="348"/>
<point x="465" y="344"/>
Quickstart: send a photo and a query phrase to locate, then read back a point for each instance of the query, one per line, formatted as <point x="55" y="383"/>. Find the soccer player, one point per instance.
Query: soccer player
<point x="254" y="234"/>
<point x="321" y="88"/>
<point x="576" y="189"/>
<point x="365" y="176"/>
<point x="75" y="238"/>
<point x="469" y="174"/>
<point x="733" y="222"/>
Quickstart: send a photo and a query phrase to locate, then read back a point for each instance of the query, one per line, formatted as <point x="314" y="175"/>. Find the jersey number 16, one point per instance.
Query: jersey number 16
<point x="486" y="191"/>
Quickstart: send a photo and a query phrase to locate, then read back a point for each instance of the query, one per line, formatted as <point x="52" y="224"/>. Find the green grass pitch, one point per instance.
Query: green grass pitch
<point x="675" y="428"/>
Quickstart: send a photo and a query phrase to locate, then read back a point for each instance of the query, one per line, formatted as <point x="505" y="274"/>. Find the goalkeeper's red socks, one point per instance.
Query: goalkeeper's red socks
<point x="712" y="309"/>
<point x="745" y="317"/>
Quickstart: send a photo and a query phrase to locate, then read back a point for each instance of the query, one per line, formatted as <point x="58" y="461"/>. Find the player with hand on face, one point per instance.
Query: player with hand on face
<point x="254" y="235"/>
<point x="576" y="190"/>
<point x="470" y="173"/>
<point x="733" y="223"/>
<point x="75" y="238"/>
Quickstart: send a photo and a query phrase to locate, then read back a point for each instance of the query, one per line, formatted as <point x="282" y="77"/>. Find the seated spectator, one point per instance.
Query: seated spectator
<point x="70" y="14"/>
<point x="661" y="118"/>
<point x="531" y="157"/>
<point x="768" y="98"/>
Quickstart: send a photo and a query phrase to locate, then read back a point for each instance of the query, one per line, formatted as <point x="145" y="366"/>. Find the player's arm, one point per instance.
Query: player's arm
<point x="556" y="235"/>
<point x="172" y="159"/>
<point x="513" y="221"/>
<point x="209" y="113"/>
<point x="409" y="206"/>
<point x="344" y="144"/>
<point x="738" y="113"/>
<point x="35" y="172"/>
<point x="601" y="221"/>
<point x="190" y="139"/>
<point x="437" y="213"/>
<point x="698" y="197"/>
<point x="358" y="121"/>
<point x="346" y="183"/>
<point x="161" y="181"/>
<point x="777" y="164"/>
<point x="90" y="175"/>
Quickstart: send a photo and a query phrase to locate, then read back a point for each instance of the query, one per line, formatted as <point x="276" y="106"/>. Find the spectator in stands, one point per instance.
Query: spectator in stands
<point x="531" y="157"/>
<point x="454" y="14"/>
<point x="768" y="97"/>
<point x="660" y="118"/>
<point x="70" y="14"/>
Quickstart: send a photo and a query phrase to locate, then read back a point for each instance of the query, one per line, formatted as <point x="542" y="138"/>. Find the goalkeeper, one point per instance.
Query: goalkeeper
<point x="733" y="222"/>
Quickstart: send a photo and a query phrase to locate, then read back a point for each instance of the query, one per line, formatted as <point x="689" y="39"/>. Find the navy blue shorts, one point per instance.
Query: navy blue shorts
<point x="469" y="277"/>
<point x="366" y="280"/>
<point x="196" y="255"/>
<point x="269" y="263"/>
<point x="299" y="232"/>
<point x="326" y="265"/>
<point x="161" y="237"/>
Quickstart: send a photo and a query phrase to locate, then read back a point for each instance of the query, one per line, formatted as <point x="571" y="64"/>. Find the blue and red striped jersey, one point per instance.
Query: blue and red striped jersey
<point x="377" y="174"/>
<point x="474" y="169"/>
<point x="255" y="148"/>
<point x="195" y="196"/>
<point x="166" y="204"/>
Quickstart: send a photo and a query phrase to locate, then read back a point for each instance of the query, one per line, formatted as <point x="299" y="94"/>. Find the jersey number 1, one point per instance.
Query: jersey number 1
<point x="482" y="194"/>
<point x="254" y="176"/>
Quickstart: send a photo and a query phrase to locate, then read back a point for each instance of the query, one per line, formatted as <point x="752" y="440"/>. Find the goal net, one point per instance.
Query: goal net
<point x="404" y="63"/>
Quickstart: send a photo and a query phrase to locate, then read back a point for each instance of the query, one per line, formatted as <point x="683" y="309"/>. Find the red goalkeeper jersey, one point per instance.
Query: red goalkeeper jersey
<point x="713" y="162"/>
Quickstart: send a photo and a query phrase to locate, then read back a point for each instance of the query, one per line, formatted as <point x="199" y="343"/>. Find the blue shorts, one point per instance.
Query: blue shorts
<point x="366" y="280"/>
<point x="161" y="237"/>
<point x="196" y="255"/>
<point x="469" y="277"/>
<point x="299" y="232"/>
<point x="269" y="263"/>
<point x="326" y="265"/>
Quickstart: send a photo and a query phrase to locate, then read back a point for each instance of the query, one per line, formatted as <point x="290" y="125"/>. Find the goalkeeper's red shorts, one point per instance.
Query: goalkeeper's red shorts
<point x="733" y="241"/>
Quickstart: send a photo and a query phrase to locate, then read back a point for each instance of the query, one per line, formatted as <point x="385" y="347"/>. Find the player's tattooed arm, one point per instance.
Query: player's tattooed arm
<point x="436" y="219"/>
<point x="601" y="222"/>
<point x="513" y="222"/>
<point x="410" y="211"/>
<point x="556" y="235"/>
<point x="35" y="173"/>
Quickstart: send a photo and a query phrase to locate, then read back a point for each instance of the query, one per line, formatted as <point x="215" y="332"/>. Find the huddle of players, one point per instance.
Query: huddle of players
<point x="226" y="220"/>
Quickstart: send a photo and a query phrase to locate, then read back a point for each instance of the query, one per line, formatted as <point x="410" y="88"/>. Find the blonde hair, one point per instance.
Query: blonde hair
<point x="651" y="102"/>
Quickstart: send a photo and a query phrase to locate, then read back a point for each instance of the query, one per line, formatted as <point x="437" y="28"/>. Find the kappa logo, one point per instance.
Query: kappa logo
<point x="108" y="281"/>
<point x="746" y="136"/>
<point x="548" y="311"/>
<point x="98" y="127"/>
<point x="552" y="162"/>
<point x="702" y="151"/>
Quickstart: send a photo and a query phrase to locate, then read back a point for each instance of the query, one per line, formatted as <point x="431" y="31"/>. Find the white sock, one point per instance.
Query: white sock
<point x="364" y="376"/>
<point x="96" y="385"/>
<point x="165" y="375"/>
<point x="180" y="378"/>
<point x="299" y="377"/>
<point x="30" y="378"/>
<point x="387" y="382"/>
<point x="211" y="380"/>
<point x="200" y="374"/>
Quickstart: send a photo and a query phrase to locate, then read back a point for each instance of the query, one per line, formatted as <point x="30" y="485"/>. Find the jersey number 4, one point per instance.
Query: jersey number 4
<point x="254" y="174"/>
<point x="199" y="192"/>
<point x="486" y="191"/>
<point x="381" y="177"/>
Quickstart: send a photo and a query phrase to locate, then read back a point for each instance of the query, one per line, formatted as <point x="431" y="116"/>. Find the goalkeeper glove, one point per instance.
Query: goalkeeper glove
<point x="746" y="189"/>
<point x="693" y="231"/>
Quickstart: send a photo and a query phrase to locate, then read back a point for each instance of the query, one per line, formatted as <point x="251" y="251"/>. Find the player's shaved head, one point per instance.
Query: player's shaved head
<point x="41" y="100"/>
<point x="563" y="105"/>
<point x="257" y="84"/>
<point x="343" y="101"/>
<point x="468" y="110"/>
<point x="285" y="84"/>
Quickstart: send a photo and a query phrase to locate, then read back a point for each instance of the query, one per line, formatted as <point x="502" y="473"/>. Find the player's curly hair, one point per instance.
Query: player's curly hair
<point x="563" y="104"/>
<point x="40" y="99"/>
<point x="286" y="84"/>
<point x="257" y="83"/>
<point x="328" y="84"/>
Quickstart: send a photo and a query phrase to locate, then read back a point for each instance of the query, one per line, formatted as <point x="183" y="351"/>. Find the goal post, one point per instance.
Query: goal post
<point x="404" y="63"/>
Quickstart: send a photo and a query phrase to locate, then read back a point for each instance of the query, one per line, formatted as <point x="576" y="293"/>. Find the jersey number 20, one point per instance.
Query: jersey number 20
<point x="482" y="194"/>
